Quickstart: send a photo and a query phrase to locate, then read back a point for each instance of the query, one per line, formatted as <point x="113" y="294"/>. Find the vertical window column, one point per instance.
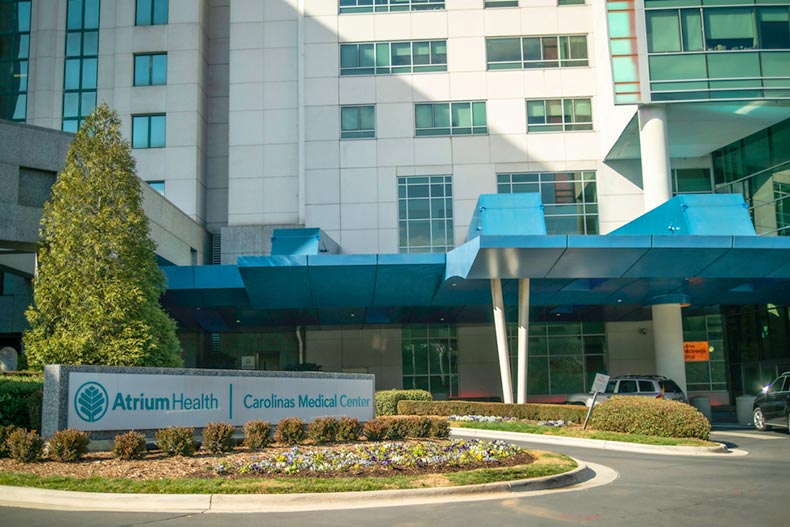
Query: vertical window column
<point x="82" y="62"/>
<point x="425" y="214"/>
<point x="14" y="54"/>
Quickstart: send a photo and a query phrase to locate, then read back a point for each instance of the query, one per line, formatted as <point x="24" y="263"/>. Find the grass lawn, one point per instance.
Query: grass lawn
<point x="527" y="428"/>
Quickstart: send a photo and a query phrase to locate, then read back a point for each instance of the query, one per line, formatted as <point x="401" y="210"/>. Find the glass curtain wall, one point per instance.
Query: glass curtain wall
<point x="14" y="54"/>
<point x="430" y="360"/>
<point x="82" y="62"/>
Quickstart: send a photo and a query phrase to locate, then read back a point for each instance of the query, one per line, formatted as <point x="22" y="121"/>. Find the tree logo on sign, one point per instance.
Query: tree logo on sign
<point x="91" y="402"/>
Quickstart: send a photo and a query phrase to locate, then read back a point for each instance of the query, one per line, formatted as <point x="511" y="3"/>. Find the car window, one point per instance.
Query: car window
<point x="646" y="386"/>
<point x="670" y="387"/>
<point x="787" y="384"/>
<point x="627" y="386"/>
<point x="777" y="385"/>
<point x="610" y="387"/>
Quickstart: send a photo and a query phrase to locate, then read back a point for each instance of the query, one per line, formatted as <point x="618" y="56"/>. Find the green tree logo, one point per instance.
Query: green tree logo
<point x="90" y="402"/>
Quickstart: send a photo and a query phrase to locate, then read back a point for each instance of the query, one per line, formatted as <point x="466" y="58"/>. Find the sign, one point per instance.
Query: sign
<point x="120" y="401"/>
<point x="600" y="382"/>
<point x="248" y="362"/>
<point x="696" y="351"/>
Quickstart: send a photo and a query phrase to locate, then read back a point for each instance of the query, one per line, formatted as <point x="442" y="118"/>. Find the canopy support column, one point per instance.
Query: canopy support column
<point x="501" y="339"/>
<point x="668" y="343"/>
<point x="523" y="336"/>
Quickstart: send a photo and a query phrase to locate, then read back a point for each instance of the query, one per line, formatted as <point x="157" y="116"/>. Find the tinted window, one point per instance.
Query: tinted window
<point x="627" y="387"/>
<point x="787" y="384"/>
<point x="670" y="387"/>
<point x="776" y="386"/>
<point x="646" y="386"/>
<point x="610" y="386"/>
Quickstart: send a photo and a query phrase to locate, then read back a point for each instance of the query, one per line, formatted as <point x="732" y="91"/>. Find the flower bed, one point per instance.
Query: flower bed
<point x="374" y="458"/>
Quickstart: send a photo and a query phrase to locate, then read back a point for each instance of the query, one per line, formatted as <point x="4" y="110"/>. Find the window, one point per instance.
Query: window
<point x="158" y="186"/>
<point x="369" y="6"/>
<point x="150" y="69"/>
<point x="383" y="58"/>
<point x="570" y="2"/>
<point x="570" y="202"/>
<point x="501" y="3"/>
<point x="563" y="356"/>
<point x="557" y="115"/>
<point x="557" y="51"/>
<point x="430" y="360"/>
<point x="691" y="181"/>
<point x="148" y="131"/>
<point x="445" y="118"/>
<point x="357" y="122"/>
<point x="14" y="54"/>
<point x="708" y="374"/>
<point x="82" y="62"/>
<point x="151" y="12"/>
<point x="425" y="214"/>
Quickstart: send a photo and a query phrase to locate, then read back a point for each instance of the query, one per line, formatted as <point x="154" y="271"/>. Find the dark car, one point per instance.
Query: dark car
<point x="772" y="406"/>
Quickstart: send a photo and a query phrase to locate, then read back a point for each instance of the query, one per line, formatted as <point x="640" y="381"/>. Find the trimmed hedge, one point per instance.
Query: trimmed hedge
<point x="396" y="427"/>
<point x="534" y="412"/>
<point x="20" y="396"/>
<point x="654" y="417"/>
<point x="387" y="400"/>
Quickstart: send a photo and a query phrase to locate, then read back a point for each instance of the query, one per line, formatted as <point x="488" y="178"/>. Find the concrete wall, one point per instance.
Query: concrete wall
<point x="630" y="348"/>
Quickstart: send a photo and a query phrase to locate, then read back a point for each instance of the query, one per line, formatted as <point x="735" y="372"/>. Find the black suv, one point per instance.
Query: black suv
<point x="772" y="406"/>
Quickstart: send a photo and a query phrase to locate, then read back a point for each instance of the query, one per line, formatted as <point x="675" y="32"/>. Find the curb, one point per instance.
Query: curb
<point x="719" y="449"/>
<point x="36" y="498"/>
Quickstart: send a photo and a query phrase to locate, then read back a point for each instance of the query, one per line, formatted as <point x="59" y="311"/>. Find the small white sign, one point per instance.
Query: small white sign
<point x="248" y="362"/>
<point x="599" y="385"/>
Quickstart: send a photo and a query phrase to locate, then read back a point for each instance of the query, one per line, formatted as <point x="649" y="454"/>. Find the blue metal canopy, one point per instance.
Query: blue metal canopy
<point x="700" y="250"/>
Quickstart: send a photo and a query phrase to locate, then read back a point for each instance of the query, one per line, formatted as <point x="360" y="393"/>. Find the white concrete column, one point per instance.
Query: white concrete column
<point x="523" y="336"/>
<point x="501" y="339"/>
<point x="301" y="132"/>
<point x="654" y="147"/>
<point x="668" y="343"/>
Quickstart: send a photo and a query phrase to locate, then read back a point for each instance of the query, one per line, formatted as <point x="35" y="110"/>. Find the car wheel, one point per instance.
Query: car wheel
<point x="759" y="420"/>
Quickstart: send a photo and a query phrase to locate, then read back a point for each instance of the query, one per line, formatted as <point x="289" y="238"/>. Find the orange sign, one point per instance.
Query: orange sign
<point x="696" y="351"/>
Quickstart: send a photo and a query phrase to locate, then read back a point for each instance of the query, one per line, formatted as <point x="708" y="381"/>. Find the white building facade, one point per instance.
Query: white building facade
<point x="381" y="122"/>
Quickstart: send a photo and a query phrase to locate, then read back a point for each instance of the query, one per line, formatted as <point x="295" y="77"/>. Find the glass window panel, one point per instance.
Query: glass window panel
<point x="663" y="31"/>
<point x="366" y="57"/>
<point x="74" y="14"/>
<point x="774" y="27"/>
<point x="91" y="20"/>
<point x="537" y="375"/>
<point x="157" y="131"/>
<point x="439" y="52"/>
<point x="462" y="114"/>
<point x="89" y="67"/>
<point x="140" y="132"/>
<point x="729" y="28"/>
<point x="23" y="16"/>
<point x="383" y="54"/>
<point x="70" y="125"/>
<point x="536" y="112"/>
<point x="423" y="115"/>
<point x="72" y="77"/>
<point x="565" y="346"/>
<point x="367" y="117"/>
<point x="349" y="118"/>
<point x="439" y="233"/>
<point x="348" y="55"/>
<point x="73" y="44"/>
<point x="550" y="48"/>
<point x="566" y="374"/>
<point x="160" y="11"/>
<point x="419" y="209"/>
<point x="503" y="49"/>
<point x="727" y="65"/>
<point x="691" y="23"/>
<point x="441" y="115"/>
<point x="479" y="113"/>
<point x="90" y="43"/>
<point x="401" y="53"/>
<point x="532" y="48"/>
<point x="578" y="47"/>
<point x="693" y="180"/>
<point x="71" y="105"/>
<point x="143" y="13"/>
<point x="422" y="53"/>
<point x="159" y="69"/>
<point x="672" y="67"/>
<point x="582" y="110"/>
<point x="88" y="103"/>
<point x="141" y="71"/>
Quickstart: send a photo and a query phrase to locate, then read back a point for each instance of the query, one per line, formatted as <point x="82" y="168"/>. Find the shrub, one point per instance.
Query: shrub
<point x="647" y="416"/>
<point x="217" y="438"/>
<point x="440" y="428"/>
<point x="15" y="393"/>
<point x="257" y="434"/>
<point x="35" y="403"/>
<point x="130" y="445"/>
<point x="323" y="430"/>
<point x="176" y="441"/>
<point x="290" y="431"/>
<point x="387" y="400"/>
<point x="25" y="446"/>
<point x="534" y="412"/>
<point x="348" y="429"/>
<point x="375" y="430"/>
<point x="69" y="445"/>
<point x="5" y="431"/>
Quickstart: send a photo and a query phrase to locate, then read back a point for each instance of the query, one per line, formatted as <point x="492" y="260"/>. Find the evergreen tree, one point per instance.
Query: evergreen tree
<point x="96" y="294"/>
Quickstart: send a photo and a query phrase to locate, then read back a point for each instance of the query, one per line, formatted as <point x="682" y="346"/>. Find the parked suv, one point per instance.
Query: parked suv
<point x="654" y="386"/>
<point x="772" y="406"/>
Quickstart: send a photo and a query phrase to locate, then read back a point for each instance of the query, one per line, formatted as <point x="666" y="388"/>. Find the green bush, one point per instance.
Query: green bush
<point x="387" y="400"/>
<point x="440" y="428"/>
<point x="290" y="431"/>
<point x="25" y="446"/>
<point x="647" y="416"/>
<point x="35" y="403"/>
<point x="5" y="431"/>
<point x="322" y="430"/>
<point x="69" y="445"/>
<point x="176" y="441"/>
<point x="217" y="438"/>
<point x="533" y="412"/>
<point x="130" y="445"/>
<point x="15" y="399"/>
<point x="375" y="430"/>
<point x="257" y="434"/>
<point x="348" y="429"/>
